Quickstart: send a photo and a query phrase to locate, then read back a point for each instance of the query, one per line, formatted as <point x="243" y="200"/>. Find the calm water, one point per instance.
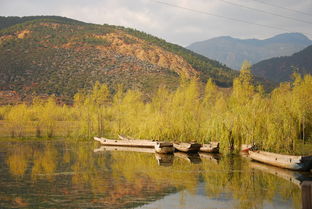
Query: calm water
<point x="58" y="174"/>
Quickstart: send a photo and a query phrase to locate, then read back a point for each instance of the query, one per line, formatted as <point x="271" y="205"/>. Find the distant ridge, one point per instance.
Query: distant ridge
<point x="280" y="69"/>
<point x="233" y="51"/>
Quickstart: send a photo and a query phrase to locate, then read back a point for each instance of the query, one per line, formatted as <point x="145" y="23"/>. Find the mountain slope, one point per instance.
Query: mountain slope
<point x="281" y="68"/>
<point x="55" y="55"/>
<point x="6" y="22"/>
<point x="233" y="52"/>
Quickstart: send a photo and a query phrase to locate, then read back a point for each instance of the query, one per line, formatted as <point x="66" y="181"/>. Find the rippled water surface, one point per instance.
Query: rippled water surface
<point x="64" y="174"/>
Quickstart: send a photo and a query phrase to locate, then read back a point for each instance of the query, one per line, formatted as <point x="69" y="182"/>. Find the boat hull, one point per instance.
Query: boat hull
<point x="187" y="147"/>
<point x="124" y="149"/>
<point x="210" y="148"/>
<point x="164" y="150"/>
<point x="126" y="143"/>
<point x="298" y="163"/>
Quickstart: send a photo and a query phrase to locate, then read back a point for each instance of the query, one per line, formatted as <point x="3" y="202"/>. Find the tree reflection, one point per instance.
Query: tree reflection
<point x="120" y="179"/>
<point x="18" y="159"/>
<point x="44" y="162"/>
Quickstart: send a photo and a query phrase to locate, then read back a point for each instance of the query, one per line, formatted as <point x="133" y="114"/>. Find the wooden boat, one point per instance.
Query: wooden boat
<point x="124" y="149"/>
<point x="187" y="147"/>
<point x="212" y="147"/>
<point x="193" y="158"/>
<point x="160" y="147"/>
<point x="302" y="163"/>
<point x="164" y="148"/>
<point x="126" y="142"/>
<point x="295" y="177"/>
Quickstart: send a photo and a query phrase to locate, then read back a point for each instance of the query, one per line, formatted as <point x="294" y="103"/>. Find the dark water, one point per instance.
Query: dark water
<point x="62" y="174"/>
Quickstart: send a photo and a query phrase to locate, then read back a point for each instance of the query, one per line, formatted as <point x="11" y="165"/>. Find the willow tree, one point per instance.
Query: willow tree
<point x="157" y="116"/>
<point x="132" y="113"/>
<point x="185" y="116"/>
<point x="91" y="108"/>
<point x="242" y="95"/>
<point x="48" y="116"/>
<point x="37" y="109"/>
<point x="100" y="98"/>
<point x="281" y="126"/>
<point x="211" y="94"/>
<point x="302" y="103"/>
<point x="116" y="110"/>
<point x="4" y="111"/>
<point x="17" y="118"/>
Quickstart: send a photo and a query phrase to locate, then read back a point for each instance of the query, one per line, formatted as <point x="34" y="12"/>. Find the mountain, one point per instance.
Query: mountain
<point x="280" y="69"/>
<point x="43" y="55"/>
<point x="233" y="51"/>
<point x="6" y="22"/>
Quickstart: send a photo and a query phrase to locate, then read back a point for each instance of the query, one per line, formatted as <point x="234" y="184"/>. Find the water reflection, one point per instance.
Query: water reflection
<point x="164" y="160"/>
<point x="189" y="157"/>
<point x="66" y="174"/>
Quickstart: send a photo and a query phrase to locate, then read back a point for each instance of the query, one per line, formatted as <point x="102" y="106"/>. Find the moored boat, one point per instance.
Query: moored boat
<point x="212" y="147"/>
<point x="124" y="149"/>
<point x="187" y="147"/>
<point x="126" y="143"/>
<point x="164" y="148"/>
<point x="300" y="163"/>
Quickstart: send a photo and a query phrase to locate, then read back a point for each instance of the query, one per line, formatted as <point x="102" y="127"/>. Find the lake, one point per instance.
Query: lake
<point x="79" y="174"/>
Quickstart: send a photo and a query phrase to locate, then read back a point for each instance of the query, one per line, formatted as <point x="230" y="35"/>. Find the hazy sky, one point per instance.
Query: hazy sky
<point x="178" y="25"/>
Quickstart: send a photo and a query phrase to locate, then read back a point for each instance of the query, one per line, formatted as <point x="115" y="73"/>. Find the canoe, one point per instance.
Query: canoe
<point x="187" y="147"/>
<point x="160" y="147"/>
<point x="164" y="148"/>
<point x="300" y="163"/>
<point x="295" y="177"/>
<point x="126" y="143"/>
<point x="212" y="147"/>
<point x="124" y="149"/>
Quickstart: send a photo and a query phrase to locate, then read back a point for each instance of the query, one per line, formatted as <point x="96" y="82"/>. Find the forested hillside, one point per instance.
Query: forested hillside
<point x="55" y="55"/>
<point x="280" y="69"/>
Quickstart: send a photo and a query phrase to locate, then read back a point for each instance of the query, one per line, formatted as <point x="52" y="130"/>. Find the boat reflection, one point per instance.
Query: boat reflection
<point x="164" y="159"/>
<point x="189" y="157"/>
<point x="295" y="177"/>
<point x="211" y="157"/>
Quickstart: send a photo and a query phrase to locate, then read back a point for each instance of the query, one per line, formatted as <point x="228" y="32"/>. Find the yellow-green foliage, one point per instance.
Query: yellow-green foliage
<point x="278" y="121"/>
<point x="17" y="119"/>
<point x="3" y="111"/>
